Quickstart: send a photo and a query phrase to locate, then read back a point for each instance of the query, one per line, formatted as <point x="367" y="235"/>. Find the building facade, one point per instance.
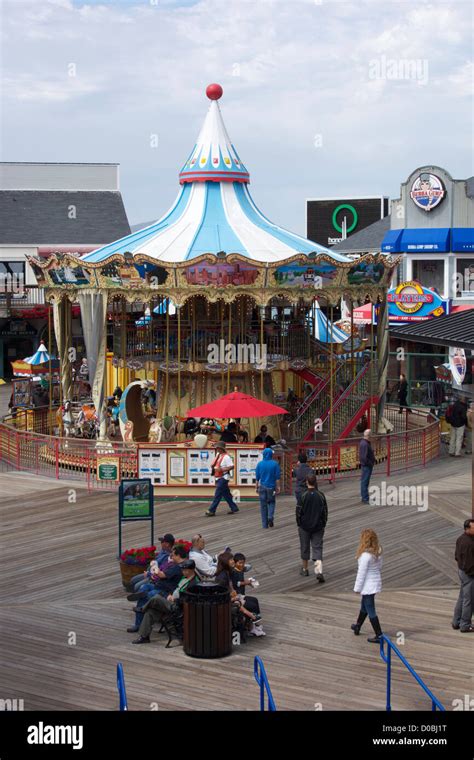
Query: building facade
<point x="432" y="223"/>
<point x="46" y="208"/>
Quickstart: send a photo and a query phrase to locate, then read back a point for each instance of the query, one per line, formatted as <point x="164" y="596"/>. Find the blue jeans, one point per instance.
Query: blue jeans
<point x="223" y="492"/>
<point x="365" y="474"/>
<point x="137" y="581"/>
<point x="367" y="605"/>
<point x="267" y="504"/>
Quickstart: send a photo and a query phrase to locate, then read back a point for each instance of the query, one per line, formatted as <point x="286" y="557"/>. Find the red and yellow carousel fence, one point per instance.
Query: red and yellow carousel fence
<point x="414" y="446"/>
<point x="414" y="443"/>
<point x="62" y="458"/>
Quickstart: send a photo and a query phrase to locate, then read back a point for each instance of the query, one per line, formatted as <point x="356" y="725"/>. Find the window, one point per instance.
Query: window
<point x="464" y="276"/>
<point x="12" y="278"/>
<point x="430" y="274"/>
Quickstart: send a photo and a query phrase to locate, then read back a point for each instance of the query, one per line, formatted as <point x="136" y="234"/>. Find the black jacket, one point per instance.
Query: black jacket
<point x="312" y="513"/>
<point x="458" y="414"/>
<point x="464" y="554"/>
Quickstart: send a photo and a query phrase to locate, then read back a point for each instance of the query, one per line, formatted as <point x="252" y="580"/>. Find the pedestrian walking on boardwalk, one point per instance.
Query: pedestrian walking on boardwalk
<point x="368" y="581"/>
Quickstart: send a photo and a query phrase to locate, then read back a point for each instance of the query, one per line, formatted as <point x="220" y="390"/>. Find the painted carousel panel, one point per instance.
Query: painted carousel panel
<point x="220" y="274"/>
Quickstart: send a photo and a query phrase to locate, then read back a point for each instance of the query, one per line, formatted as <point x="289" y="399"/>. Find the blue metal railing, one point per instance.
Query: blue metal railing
<point x="387" y="658"/>
<point x="123" y="705"/>
<point x="262" y="680"/>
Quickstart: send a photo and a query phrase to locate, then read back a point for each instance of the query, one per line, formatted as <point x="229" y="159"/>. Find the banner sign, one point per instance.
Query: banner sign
<point x="135" y="503"/>
<point x="411" y="302"/>
<point x="108" y="468"/>
<point x="457" y="365"/>
<point x="427" y="191"/>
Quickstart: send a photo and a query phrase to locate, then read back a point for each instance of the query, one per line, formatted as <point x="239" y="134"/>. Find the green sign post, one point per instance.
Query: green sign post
<point x="135" y="504"/>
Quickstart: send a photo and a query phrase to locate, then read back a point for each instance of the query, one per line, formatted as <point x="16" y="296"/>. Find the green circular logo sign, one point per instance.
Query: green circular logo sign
<point x="355" y="218"/>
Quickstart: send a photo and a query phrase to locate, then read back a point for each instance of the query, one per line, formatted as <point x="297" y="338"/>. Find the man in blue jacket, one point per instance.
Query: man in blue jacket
<point x="367" y="461"/>
<point x="267" y="476"/>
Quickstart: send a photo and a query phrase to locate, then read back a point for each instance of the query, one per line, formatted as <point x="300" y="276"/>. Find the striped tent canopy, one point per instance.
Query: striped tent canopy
<point x="41" y="356"/>
<point x="214" y="211"/>
<point x="324" y="332"/>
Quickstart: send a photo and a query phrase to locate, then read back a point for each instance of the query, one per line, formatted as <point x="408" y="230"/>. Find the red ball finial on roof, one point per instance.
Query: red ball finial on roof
<point x="214" y="91"/>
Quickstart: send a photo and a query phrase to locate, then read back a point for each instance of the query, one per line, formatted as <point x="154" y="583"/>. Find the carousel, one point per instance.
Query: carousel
<point x="214" y="298"/>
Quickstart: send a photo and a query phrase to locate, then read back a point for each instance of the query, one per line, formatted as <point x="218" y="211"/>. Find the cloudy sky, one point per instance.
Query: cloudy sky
<point x="321" y="97"/>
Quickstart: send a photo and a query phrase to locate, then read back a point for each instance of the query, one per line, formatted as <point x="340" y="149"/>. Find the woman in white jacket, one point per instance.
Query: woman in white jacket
<point x="368" y="581"/>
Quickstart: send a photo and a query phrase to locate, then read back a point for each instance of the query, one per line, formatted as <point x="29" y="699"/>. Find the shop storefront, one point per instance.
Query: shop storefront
<point x="432" y="223"/>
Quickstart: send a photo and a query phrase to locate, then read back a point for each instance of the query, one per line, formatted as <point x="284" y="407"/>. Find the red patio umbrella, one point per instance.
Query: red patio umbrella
<point x="236" y="405"/>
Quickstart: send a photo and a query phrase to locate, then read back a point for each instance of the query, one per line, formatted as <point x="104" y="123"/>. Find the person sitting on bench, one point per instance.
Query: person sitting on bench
<point x="158" y="609"/>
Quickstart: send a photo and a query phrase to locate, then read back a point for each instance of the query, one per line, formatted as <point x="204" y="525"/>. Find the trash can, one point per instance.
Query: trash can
<point x="207" y="624"/>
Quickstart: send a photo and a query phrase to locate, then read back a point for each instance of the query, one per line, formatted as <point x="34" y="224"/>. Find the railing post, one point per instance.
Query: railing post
<point x="423" y="446"/>
<point x="333" y="474"/>
<point x="389" y="452"/>
<point x="389" y="676"/>
<point x="18" y="462"/>
<point x="56" y="456"/>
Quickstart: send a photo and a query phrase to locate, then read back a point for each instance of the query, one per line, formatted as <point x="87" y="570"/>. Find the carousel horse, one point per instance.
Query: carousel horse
<point x="169" y="429"/>
<point x="131" y="410"/>
<point x="156" y="432"/>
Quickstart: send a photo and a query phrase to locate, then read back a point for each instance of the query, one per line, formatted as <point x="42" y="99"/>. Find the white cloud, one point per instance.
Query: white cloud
<point x="302" y="68"/>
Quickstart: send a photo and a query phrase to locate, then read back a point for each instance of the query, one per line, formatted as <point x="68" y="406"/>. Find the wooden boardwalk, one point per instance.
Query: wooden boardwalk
<point x="64" y="612"/>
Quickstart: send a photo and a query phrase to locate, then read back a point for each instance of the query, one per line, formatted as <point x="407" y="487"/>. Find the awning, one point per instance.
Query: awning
<point x="462" y="239"/>
<point x="391" y="241"/>
<point x="363" y="314"/>
<point x="425" y="240"/>
<point x="454" y="330"/>
<point x="461" y="307"/>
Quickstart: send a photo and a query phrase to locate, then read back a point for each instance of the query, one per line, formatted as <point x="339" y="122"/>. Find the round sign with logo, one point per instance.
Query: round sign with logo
<point x="427" y="191"/>
<point x="409" y="297"/>
<point x="352" y="211"/>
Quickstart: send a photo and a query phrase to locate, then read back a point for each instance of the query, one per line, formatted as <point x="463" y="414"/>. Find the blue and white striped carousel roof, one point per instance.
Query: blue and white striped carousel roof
<point x="214" y="210"/>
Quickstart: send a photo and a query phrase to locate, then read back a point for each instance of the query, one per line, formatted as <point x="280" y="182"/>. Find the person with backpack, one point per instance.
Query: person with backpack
<point x="221" y="469"/>
<point x="311" y="519"/>
<point x="456" y="415"/>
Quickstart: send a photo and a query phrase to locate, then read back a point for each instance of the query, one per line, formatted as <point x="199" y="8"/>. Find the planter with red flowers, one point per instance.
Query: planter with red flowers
<point x="135" y="561"/>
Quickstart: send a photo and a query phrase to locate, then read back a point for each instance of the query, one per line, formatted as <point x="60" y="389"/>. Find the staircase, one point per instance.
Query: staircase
<point x="347" y="408"/>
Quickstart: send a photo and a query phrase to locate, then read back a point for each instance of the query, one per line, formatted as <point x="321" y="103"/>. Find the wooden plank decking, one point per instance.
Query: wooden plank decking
<point x="59" y="578"/>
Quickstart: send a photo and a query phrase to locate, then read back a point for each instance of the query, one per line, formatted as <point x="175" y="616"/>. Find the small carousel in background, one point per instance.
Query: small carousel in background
<point x="36" y="389"/>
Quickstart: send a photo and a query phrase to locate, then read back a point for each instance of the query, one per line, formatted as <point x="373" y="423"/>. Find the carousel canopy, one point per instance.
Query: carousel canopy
<point x="214" y="211"/>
